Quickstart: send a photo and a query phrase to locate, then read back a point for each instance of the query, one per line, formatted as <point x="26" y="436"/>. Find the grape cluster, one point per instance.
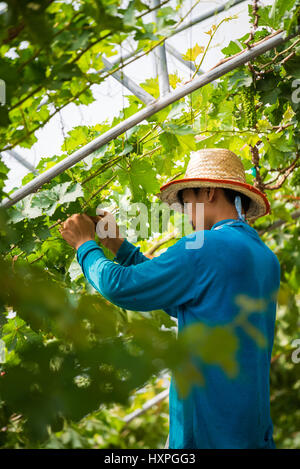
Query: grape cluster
<point x="247" y="95"/>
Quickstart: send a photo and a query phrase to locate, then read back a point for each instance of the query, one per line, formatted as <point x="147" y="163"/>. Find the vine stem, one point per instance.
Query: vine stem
<point x="295" y="215"/>
<point x="89" y="83"/>
<point x="99" y="190"/>
<point x="102" y="168"/>
<point x="255" y="160"/>
<point x="150" y="152"/>
<point x="86" y="87"/>
<point x="242" y="51"/>
<point x="160" y="243"/>
<point x="152" y="9"/>
<point x="255" y="23"/>
<point x="280" y="53"/>
<point x="120" y="67"/>
<point x="207" y="46"/>
<point x="187" y="14"/>
<point x="27" y="62"/>
<point x="282" y="176"/>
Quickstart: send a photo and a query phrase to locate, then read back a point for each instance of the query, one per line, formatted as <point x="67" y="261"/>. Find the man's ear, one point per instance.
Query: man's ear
<point x="211" y="194"/>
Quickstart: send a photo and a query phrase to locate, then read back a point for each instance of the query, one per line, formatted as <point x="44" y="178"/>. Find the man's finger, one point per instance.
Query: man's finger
<point x="85" y="215"/>
<point x="95" y="219"/>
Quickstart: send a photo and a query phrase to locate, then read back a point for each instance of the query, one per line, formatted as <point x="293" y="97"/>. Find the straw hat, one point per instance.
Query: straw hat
<point x="216" y="167"/>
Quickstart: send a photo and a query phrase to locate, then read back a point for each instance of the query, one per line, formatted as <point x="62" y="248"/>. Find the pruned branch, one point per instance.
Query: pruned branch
<point x="255" y="23"/>
<point x="255" y="160"/>
<point x="282" y="176"/>
<point x="13" y="32"/>
<point x="281" y="53"/>
<point x="279" y="223"/>
<point x="160" y="243"/>
<point x="99" y="190"/>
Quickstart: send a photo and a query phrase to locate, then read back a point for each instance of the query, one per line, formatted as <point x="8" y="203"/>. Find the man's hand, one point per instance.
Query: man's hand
<point x="107" y="224"/>
<point x="78" y="229"/>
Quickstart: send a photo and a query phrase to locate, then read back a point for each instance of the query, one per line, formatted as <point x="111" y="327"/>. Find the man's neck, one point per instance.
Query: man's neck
<point x="225" y="215"/>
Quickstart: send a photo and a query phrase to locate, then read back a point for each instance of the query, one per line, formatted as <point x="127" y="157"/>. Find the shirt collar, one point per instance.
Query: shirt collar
<point x="221" y="222"/>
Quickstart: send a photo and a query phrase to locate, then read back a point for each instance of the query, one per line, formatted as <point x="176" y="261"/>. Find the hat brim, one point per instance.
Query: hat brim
<point x="259" y="204"/>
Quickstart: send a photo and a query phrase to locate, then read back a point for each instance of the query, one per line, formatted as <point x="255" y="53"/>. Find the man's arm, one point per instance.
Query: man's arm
<point x="128" y="254"/>
<point x="125" y="252"/>
<point x="163" y="282"/>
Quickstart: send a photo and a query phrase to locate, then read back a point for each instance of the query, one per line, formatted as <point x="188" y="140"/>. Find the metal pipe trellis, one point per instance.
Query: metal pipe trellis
<point x="170" y="49"/>
<point x="204" y="16"/>
<point x="161" y="103"/>
<point x="22" y="161"/>
<point x="151" y="403"/>
<point x="161" y="62"/>
<point x="137" y="90"/>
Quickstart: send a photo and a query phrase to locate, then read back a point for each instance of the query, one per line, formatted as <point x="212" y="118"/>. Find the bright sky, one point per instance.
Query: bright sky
<point x="110" y="94"/>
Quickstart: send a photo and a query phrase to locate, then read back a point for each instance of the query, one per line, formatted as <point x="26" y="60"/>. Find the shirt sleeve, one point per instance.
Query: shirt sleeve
<point x="163" y="282"/>
<point x="129" y="254"/>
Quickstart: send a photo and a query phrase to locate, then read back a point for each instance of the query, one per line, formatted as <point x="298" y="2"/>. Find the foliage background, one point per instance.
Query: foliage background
<point x="55" y="331"/>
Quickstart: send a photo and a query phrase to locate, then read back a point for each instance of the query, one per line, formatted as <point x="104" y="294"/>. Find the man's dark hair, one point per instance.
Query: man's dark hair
<point x="229" y="194"/>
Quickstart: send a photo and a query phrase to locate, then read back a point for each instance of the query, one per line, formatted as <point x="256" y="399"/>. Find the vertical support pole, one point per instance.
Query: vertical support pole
<point x="161" y="62"/>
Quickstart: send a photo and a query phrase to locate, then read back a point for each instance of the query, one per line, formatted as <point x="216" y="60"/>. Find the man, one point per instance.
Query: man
<point x="202" y="285"/>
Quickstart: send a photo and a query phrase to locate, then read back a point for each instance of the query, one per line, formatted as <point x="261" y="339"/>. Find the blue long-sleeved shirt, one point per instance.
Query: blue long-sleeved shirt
<point x="201" y="285"/>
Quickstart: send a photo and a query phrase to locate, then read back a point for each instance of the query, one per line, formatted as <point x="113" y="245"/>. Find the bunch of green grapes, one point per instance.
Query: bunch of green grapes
<point x="247" y="95"/>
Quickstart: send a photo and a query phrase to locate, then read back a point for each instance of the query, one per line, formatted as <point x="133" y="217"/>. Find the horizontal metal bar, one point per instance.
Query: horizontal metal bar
<point x="148" y="111"/>
<point x="152" y="402"/>
<point x="137" y="90"/>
